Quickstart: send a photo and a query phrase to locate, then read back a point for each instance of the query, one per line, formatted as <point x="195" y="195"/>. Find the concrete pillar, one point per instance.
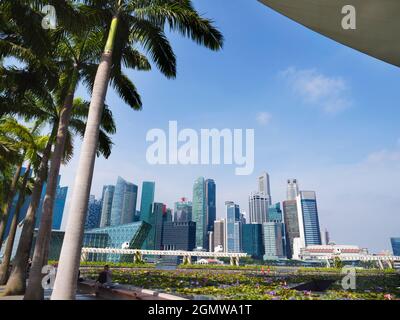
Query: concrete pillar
<point x="380" y="265"/>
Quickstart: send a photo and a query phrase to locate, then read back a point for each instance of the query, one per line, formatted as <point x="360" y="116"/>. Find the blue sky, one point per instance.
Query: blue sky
<point x="322" y="113"/>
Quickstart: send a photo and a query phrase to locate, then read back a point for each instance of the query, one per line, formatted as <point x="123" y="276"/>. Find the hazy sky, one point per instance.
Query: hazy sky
<point x="322" y="113"/>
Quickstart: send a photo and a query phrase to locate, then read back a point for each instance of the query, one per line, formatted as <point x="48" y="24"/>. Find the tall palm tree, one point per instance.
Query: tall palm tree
<point x="131" y="22"/>
<point x="5" y="264"/>
<point x="24" y="140"/>
<point x="16" y="284"/>
<point x="76" y="53"/>
<point x="43" y="110"/>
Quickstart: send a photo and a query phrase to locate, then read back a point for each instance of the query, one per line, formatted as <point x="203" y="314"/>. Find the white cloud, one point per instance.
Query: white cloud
<point x="264" y="118"/>
<point x="315" y="88"/>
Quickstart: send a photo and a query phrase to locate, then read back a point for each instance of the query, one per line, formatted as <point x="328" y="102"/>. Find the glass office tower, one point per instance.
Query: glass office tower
<point x="93" y="216"/>
<point x="291" y="225"/>
<point x="307" y="210"/>
<point x="252" y="240"/>
<point x="395" y="246"/>
<point x="146" y="211"/>
<point x="233" y="227"/>
<point x="211" y="204"/>
<point x="124" y="203"/>
<point x="199" y="213"/>
<point x="183" y="211"/>
<point x="108" y="195"/>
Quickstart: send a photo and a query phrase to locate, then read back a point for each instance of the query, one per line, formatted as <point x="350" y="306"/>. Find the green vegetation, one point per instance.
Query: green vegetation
<point x="253" y="285"/>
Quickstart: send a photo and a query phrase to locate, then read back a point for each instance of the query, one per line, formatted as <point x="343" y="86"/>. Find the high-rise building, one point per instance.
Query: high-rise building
<point x="199" y="213"/>
<point x="326" y="237"/>
<point x="93" y="215"/>
<point x="159" y="217"/>
<point x="179" y="236"/>
<point x="291" y="225"/>
<point x="273" y="241"/>
<point x="146" y="211"/>
<point x="252" y="240"/>
<point x="210" y="203"/>
<point x="219" y="234"/>
<point x="147" y="200"/>
<point x="233" y="227"/>
<point x="211" y="241"/>
<point x="59" y="205"/>
<point x="108" y="195"/>
<point x="292" y="189"/>
<point x="307" y="212"/>
<point x="275" y="213"/>
<point x="395" y="246"/>
<point x="258" y="207"/>
<point x="23" y="210"/>
<point x="183" y="211"/>
<point x="264" y="186"/>
<point x="124" y="203"/>
<point x="243" y="217"/>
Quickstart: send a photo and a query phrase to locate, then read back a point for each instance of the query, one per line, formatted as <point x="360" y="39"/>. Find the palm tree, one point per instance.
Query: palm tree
<point x="70" y="57"/>
<point x="16" y="284"/>
<point x="131" y="22"/>
<point x="23" y="138"/>
<point x="5" y="264"/>
<point x="43" y="110"/>
<point x="76" y="54"/>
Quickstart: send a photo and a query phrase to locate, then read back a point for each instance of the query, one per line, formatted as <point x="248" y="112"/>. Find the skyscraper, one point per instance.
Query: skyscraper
<point x="59" y="205"/>
<point x="183" y="211"/>
<point x="252" y="240"/>
<point x="258" y="207"/>
<point x="264" y="186"/>
<point x="210" y="203"/>
<point x="93" y="215"/>
<point x="307" y="211"/>
<point x="147" y="200"/>
<point x="292" y="189"/>
<point x="179" y="236"/>
<point x="273" y="241"/>
<point x="395" y="246"/>
<point x="275" y="213"/>
<point x="159" y="214"/>
<point x="107" y="199"/>
<point x="233" y="227"/>
<point x="146" y="211"/>
<point x="219" y="234"/>
<point x="327" y="238"/>
<point x="124" y="203"/>
<point x="291" y="225"/>
<point x="199" y="213"/>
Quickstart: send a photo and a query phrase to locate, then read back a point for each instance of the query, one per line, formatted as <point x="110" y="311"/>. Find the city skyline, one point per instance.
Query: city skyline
<point x="311" y="111"/>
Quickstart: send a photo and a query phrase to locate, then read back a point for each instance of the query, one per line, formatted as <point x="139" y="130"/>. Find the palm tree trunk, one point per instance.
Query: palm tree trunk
<point x="16" y="284"/>
<point x="68" y="267"/>
<point x="13" y="229"/>
<point x="34" y="290"/>
<point x="10" y="198"/>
